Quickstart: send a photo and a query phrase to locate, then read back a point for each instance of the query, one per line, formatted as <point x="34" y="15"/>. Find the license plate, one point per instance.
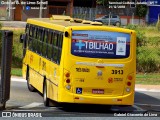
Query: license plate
<point x="97" y="91"/>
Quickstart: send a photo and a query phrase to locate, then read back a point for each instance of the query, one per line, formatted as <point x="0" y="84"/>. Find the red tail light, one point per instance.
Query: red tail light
<point x="68" y="81"/>
<point x="130" y="77"/>
<point x="67" y="74"/>
<point x="129" y="83"/>
<point x="100" y="66"/>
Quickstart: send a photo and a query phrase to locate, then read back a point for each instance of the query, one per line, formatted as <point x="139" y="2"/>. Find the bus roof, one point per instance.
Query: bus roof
<point x="60" y="24"/>
<point x="56" y="24"/>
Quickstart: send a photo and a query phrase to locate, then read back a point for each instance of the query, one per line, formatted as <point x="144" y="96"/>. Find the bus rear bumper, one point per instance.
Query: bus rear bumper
<point x="106" y="100"/>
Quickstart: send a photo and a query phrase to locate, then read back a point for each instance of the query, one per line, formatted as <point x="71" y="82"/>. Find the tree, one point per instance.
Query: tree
<point x="141" y="11"/>
<point x="106" y="2"/>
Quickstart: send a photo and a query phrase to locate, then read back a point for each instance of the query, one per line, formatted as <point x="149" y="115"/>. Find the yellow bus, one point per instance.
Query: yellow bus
<point x="77" y="61"/>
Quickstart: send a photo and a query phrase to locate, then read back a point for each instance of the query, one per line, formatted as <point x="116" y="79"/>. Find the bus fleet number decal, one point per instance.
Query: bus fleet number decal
<point x="117" y="72"/>
<point x="82" y="70"/>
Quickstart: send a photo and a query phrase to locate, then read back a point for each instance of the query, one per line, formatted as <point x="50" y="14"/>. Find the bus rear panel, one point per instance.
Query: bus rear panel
<point x="99" y="67"/>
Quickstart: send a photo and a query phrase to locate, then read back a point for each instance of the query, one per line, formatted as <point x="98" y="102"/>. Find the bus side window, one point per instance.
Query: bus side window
<point x="36" y="38"/>
<point x="30" y="37"/>
<point x="34" y="41"/>
<point x="34" y="33"/>
<point x="50" y="36"/>
<point x="39" y="42"/>
<point x="30" y="30"/>
<point x="45" y="41"/>
<point x="27" y="33"/>
<point x="55" y="47"/>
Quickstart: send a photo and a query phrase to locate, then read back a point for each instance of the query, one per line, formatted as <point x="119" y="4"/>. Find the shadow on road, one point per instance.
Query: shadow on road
<point x="149" y="101"/>
<point x="80" y="108"/>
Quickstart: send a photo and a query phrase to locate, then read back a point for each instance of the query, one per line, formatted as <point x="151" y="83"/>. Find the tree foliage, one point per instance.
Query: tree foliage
<point x="141" y="10"/>
<point x="106" y="2"/>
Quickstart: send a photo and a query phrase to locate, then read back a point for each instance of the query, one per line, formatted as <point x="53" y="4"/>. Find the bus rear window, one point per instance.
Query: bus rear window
<point x="100" y="44"/>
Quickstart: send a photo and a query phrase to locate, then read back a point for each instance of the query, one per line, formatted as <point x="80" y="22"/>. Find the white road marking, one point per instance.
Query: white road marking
<point x="138" y="108"/>
<point x="147" y="104"/>
<point x="18" y="80"/>
<point x="32" y="105"/>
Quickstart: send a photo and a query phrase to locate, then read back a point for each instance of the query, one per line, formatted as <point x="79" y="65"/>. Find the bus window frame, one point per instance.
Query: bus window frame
<point x="37" y="33"/>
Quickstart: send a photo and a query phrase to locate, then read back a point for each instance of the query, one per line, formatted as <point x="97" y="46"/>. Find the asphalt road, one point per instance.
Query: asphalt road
<point x="21" y="101"/>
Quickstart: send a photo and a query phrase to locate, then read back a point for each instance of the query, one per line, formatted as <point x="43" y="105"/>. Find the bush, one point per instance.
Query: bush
<point x="148" y="59"/>
<point x="140" y="35"/>
<point x="132" y="27"/>
<point x="0" y="25"/>
<point x="148" y="50"/>
<point x="17" y="51"/>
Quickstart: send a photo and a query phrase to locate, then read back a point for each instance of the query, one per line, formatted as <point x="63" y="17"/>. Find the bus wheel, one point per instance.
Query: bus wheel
<point x="30" y="87"/>
<point x="45" y="99"/>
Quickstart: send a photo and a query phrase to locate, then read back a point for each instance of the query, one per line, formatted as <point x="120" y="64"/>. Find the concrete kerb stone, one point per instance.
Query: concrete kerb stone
<point x="149" y="88"/>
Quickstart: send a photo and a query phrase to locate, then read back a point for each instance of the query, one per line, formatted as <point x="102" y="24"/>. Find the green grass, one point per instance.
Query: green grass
<point x="150" y="31"/>
<point x="150" y="79"/>
<point x="16" y="72"/>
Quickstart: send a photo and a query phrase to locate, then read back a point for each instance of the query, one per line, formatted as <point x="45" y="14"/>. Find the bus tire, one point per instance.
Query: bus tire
<point x="30" y="87"/>
<point x="45" y="99"/>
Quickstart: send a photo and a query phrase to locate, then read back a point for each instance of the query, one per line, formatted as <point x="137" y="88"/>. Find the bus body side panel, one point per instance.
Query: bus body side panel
<point x="24" y="68"/>
<point x="52" y="76"/>
<point x="39" y="68"/>
<point x="36" y="79"/>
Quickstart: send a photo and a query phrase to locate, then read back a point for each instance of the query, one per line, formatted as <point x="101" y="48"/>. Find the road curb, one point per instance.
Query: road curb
<point x="149" y="88"/>
<point x="146" y="90"/>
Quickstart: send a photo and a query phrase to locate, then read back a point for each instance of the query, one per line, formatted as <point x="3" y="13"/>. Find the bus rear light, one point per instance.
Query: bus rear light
<point x="119" y="99"/>
<point x="76" y="98"/>
<point x="130" y="77"/>
<point x="128" y="89"/>
<point x="129" y="83"/>
<point x="67" y="74"/>
<point x="68" y="81"/>
<point x="100" y="66"/>
<point x="68" y="87"/>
